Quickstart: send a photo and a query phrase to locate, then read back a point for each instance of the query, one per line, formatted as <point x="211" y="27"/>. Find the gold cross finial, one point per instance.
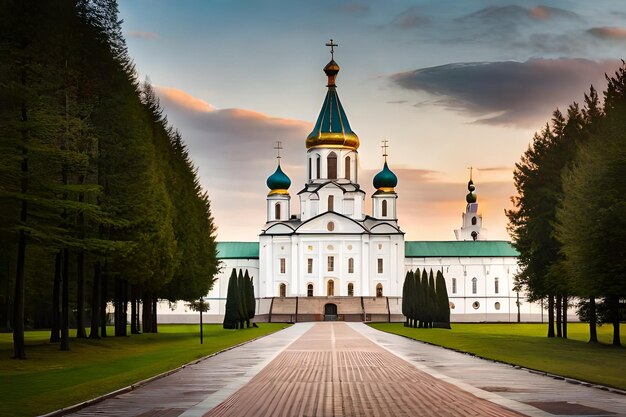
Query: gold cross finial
<point x="385" y="146"/>
<point x="332" y="49"/>
<point x="470" y="170"/>
<point x="278" y="147"/>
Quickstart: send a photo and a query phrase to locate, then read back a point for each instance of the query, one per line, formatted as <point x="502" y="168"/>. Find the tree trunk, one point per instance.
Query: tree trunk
<point x="145" y="312"/>
<point x="550" y="316"/>
<point x="564" y="317"/>
<point x="95" y="303"/>
<point x="80" y="296"/>
<point x="103" y="302"/>
<point x="558" y="316"/>
<point x="614" y="300"/>
<point x="134" y="315"/>
<point x="593" y="331"/>
<point x="154" y="316"/>
<point x="19" y="350"/>
<point x="56" y="289"/>
<point x="65" y="302"/>
<point x="121" y="307"/>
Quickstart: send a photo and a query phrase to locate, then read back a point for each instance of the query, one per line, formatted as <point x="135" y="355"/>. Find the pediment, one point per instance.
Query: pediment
<point x="279" y="229"/>
<point x="341" y="224"/>
<point x="384" y="228"/>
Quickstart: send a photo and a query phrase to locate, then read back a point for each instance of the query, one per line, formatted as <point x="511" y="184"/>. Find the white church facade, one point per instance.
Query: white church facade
<point x="331" y="253"/>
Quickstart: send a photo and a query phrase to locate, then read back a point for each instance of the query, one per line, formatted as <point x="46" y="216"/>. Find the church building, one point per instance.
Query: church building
<point x="331" y="259"/>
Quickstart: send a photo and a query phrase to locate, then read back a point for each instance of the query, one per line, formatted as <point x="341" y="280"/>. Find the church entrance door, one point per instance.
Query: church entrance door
<point x="330" y="312"/>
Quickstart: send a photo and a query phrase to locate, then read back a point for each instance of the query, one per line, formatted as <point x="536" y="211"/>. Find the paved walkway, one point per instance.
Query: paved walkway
<point x="350" y="369"/>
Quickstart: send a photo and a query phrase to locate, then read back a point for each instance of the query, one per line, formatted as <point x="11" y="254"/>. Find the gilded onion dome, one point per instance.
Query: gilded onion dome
<point x="385" y="180"/>
<point x="332" y="128"/>
<point x="471" y="196"/>
<point x="278" y="182"/>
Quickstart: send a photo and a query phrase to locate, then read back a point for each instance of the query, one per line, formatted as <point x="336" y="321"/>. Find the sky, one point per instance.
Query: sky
<point x="450" y="84"/>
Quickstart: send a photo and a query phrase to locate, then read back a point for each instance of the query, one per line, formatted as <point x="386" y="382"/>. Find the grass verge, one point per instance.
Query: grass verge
<point x="527" y="345"/>
<point x="50" y="379"/>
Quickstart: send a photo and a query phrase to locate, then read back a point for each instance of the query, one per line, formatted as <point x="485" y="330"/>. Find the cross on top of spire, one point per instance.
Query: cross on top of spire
<point x="384" y="146"/>
<point x="470" y="170"/>
<point x="278" y="147"/>
<point x="332" y="49"/>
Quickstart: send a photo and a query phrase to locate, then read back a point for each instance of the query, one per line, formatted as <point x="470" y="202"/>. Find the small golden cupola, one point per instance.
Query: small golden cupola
<point x="332" y="128"/>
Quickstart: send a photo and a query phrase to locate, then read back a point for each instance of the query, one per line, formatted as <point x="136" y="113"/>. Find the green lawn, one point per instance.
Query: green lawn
<point x="50" y="379"/>
<point x="526" y="345"/>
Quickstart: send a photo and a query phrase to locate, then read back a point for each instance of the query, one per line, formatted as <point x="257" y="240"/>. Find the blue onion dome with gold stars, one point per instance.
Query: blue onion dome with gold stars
<point x="278" y="182"/>
<point x="332" y="128"/>
<point x="385" y="180"/>
<point x="471" y="196"/>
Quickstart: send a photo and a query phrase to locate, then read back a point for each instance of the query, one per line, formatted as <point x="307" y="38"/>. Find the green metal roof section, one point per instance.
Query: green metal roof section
<point x="461" y="248"/>
<point x="412" y="249"/>
<point x="237" y="250"/>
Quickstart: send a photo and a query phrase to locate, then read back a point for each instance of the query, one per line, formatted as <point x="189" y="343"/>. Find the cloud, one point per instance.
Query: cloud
<point x="409" y="19"/>
<point x="495" y="169"/>
<point x="522" y="94"/>
<point x="605" y="32"/>
<point x="519" y="14"/>
<point x="183" y="99"/>
<point x="430" y="206"/>
<point x="143" y="35"/>
<point x="233" y="150"/>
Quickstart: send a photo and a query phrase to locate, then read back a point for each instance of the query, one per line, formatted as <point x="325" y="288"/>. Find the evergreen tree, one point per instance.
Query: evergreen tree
<point x="250" y="299"/>
<point x="428" y="307"/>
<point x="592" y="216"/>
<point x="232" y="315"/>
<point x="432" y="296"/>
<point x="418" y="297"/>
<point x="443" y="302"/>
<point x="243" y="299"/>
<point x="407" y="299"/>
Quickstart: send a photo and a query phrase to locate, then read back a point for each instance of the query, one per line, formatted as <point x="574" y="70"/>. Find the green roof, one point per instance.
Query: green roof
<point x="414" y="249"/>
<point x="462" y="248"/>
<point x="237" y="250"/>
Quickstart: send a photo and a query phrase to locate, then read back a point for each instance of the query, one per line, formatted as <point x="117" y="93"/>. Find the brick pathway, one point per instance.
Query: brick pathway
<point x="333" y="370"/>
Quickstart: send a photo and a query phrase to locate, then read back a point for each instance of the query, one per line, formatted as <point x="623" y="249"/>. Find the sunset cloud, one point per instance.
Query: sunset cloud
<point x="234" y="151"/>
<point x="614" y="33"/>
<point x="521" y="94"/>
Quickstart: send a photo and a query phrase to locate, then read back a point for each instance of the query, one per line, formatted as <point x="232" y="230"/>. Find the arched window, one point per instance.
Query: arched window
<point x="330" y="290"/>
<point x="309" y="290"/>
<point x="379" y="290"/>
<point x="277" y="211"/>
<point x="310" y="169"/>
<point x="282" y="290"/>
<point x="496" y="285"/>
<point x="350" y="265"/>
<point x="497" y="306"/>
<point x="331" y="203"/>
<point x="474" y="285"/>
<point x="474" y="221"/>
<point x="453" y="285"/>
<point x="347" y="167"/>
<point x="318" y="166"/>
<point x="384" y="208"/>
<point x="331" y="160"/>
<point x="350" y="290"/>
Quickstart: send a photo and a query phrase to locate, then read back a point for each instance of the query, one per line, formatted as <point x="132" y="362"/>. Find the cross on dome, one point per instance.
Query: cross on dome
<point x="384" y="147"/>
<point x="332" y="45"/>
<point x="278" y="147"/>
